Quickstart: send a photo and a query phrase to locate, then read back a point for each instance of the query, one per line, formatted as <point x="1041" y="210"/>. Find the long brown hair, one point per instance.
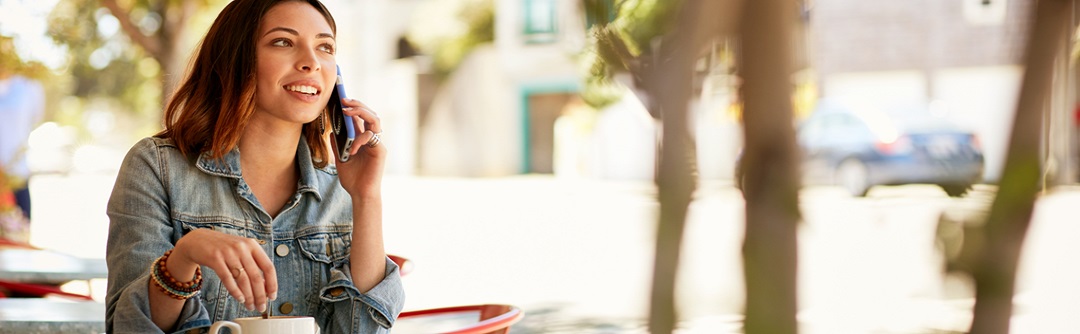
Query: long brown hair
<point x="210" y="109"/>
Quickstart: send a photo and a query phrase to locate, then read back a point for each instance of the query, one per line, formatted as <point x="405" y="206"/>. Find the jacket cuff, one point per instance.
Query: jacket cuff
<point x="384" y="301"/>
<point x="135" y="312"/>
<point x="192" y="316"/>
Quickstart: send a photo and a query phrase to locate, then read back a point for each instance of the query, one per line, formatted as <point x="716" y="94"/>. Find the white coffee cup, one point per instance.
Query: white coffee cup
<point x="273" y="325"/>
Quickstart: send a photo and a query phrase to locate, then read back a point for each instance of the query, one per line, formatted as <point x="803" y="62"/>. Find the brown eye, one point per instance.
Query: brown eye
<point x="281" y="42"/>
<point x="326" y="48"/>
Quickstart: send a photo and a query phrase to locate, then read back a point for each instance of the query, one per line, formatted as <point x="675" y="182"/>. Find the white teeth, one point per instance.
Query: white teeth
<point x="302" y="89"/>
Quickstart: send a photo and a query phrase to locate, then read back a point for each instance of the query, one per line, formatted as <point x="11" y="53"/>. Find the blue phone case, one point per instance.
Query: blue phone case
<point x="344" y="129"/>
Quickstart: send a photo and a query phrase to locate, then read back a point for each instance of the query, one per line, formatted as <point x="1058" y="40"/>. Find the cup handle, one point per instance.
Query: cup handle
<point x="234" y="327"/>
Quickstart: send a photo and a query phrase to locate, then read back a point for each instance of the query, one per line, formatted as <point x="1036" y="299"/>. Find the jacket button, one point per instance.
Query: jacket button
<point x="282" y="250"/>
<point x="286" y="308"/>
<point x="336" y="291"/>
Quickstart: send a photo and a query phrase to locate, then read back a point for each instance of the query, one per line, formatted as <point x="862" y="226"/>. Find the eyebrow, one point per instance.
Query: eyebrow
<point x="297" y="33"/>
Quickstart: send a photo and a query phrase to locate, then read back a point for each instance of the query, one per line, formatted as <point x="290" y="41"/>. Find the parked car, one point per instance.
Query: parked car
<point x="860" y="147"/>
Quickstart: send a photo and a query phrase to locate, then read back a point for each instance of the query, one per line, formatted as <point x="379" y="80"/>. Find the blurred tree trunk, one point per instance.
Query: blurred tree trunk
<point x="770" y="163"/>
<point x="670" y="81"/>
<point x="996" y="262"/>
<point x="164" y="44"/>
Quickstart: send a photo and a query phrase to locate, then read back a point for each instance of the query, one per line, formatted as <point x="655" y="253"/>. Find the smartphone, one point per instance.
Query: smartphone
<point x="342" y="126"/>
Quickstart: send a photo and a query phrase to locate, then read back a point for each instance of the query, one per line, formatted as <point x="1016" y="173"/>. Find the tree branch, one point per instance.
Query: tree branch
<point x="151" y="45"/>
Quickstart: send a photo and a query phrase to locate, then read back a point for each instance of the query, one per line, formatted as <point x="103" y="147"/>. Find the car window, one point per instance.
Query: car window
<point x="811" y="131"/>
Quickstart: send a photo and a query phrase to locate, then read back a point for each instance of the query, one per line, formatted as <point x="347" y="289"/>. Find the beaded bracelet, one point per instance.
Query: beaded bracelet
<point x="169" y="285"/>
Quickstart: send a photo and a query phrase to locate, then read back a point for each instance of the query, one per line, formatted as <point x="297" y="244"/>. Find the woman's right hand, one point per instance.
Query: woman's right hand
<point x="245" y="270"/>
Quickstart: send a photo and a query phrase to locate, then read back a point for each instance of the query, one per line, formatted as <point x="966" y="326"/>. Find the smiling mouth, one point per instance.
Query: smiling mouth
<point x="303" y="89"/>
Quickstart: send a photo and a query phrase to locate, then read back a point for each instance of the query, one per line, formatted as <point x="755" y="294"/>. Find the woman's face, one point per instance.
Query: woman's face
<point x="295" y="65"/>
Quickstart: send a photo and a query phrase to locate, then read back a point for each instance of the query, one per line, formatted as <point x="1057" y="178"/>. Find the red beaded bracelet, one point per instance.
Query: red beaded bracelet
<point x="169" y="285"/>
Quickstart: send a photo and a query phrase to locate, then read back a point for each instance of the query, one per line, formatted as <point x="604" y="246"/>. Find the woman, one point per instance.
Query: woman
<point x="233" y="209"/>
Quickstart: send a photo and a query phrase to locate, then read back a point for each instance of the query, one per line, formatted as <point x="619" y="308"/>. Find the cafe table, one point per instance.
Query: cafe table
<point x="50" y="315"/>
<point x="40" y="266"/>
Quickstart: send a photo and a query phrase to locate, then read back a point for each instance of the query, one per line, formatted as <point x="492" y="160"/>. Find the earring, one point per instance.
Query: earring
<point x="322" y="124"/>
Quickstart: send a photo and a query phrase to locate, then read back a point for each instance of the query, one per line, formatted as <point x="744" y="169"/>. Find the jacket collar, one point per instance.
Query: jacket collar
<point x="229" y="166"/>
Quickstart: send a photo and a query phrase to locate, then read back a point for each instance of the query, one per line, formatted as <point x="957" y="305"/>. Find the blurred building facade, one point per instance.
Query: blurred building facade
<point x="512" y="106"/>
<point x="494" y="116"/>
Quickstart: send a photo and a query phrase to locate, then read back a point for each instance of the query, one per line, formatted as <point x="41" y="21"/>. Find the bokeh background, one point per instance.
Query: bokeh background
<point x="522" y="173"/>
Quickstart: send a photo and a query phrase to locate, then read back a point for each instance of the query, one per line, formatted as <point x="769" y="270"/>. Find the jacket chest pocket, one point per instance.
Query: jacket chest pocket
<point x="327" y="248"/>
<point x="304" y="267"/>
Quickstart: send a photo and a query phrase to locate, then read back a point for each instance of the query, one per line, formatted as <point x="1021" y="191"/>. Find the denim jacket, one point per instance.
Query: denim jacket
<point x="160" y="195"/>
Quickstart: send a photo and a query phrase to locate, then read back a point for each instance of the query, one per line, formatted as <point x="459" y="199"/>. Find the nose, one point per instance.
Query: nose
<point x="308" y="62"/>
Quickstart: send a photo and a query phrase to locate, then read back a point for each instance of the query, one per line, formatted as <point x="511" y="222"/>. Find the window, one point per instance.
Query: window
<point x="540" y="21"/>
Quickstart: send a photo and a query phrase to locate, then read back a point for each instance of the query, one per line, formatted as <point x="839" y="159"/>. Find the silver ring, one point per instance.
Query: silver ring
<point x="374" y="141"/>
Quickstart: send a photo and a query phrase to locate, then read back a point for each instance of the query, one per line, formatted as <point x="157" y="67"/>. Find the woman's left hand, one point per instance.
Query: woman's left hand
<point x="362" y="174"/>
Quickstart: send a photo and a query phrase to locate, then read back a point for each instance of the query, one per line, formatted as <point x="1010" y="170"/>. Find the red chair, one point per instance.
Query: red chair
<point x="494" y="318"/>
<point x="15" y="244"/>
<point x="403" y="263"/>
<point x="37" y="290"/>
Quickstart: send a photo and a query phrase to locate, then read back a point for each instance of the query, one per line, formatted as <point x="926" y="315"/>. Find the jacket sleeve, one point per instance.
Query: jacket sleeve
<point x="372" y="311"/>
<point x="140" y="231"/>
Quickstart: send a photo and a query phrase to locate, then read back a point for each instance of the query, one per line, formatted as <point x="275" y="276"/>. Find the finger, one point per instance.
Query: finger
<point x="226" y="277"/>
<point x="376" y="123"/>
<point x="353" y="109"/>
<point x="257" y="283"/>
<point x="268" y="271"/>
<point x="353" y="106"/>
<point x="360" y="124"/>
<point x="243" y="280"/>
<point x="373" y="121"/>
<point x="366" y="113"/>
<point x="362" y="139"/>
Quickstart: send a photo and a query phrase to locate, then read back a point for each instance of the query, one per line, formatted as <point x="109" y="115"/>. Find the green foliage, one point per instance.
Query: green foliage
<point x="640" y="21"/>
<point x="11" y="63"/>
<point x="110" y="69"/>
<point x="599" y="89"/>
<point x="109" y="74"/>
<point x="104" y="66"/>
<point x="620" y="39"/>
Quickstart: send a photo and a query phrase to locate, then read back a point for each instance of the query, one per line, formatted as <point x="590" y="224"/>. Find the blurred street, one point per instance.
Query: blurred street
<point x="576" y="254"/>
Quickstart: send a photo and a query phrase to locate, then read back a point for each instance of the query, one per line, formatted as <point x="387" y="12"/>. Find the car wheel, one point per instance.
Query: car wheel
<point x="854" y="177"/>
<point x="955" y="190"/>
